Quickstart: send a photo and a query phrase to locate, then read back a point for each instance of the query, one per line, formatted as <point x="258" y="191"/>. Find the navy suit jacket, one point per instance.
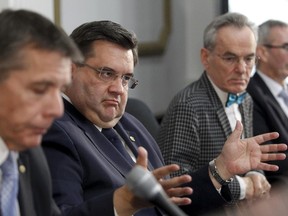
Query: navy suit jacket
<point x="268" y="116"/>
<point x="35" y="191"/>
<point x="86" y="168"/>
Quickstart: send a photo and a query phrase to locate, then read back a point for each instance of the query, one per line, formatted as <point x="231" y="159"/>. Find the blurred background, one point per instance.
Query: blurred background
<point x="169" y="31"/>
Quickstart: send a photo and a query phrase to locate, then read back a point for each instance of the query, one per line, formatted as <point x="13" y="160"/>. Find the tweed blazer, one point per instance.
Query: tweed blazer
<point x="268" y="116"/>
<point x="195" y="128"/>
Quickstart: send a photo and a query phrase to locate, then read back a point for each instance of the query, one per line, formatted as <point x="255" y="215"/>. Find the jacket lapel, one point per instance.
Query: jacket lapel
<point x="99" y="141"/>
<point x="217" y="105"/>
<point x="25" y="196"/>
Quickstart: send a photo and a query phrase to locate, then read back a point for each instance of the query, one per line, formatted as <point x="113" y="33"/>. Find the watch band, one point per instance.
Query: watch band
<point x="214" y="171"/>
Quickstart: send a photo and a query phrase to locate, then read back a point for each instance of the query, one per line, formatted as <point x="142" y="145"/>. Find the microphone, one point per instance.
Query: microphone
<point x="144" y="185"/>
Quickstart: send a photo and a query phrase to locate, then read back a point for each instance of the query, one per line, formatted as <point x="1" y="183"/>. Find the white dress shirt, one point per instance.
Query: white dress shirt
<point x="275" y="88"/>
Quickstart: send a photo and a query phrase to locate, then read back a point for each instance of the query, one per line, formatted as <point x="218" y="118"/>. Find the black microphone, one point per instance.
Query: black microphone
<point x="144" y="185"/>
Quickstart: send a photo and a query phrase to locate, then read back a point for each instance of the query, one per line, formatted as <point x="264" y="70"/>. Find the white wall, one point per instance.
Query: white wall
<point x="160" y="76"/>
<point x="45" y="7"/>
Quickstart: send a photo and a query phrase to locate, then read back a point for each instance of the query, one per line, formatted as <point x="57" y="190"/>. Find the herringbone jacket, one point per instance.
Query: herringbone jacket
<point x="195" y="128"/>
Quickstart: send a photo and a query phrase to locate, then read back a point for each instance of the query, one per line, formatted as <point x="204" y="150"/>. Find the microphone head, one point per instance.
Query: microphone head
<point x="142" y="183"/>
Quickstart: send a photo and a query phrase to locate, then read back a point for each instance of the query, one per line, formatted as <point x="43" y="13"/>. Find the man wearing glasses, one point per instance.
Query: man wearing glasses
<point x="92" y="148"/>
<point x="268" y="87"/>
<point x="202" y="116"/>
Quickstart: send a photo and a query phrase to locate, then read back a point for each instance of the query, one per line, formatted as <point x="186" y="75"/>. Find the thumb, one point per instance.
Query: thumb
<point x="236" y="134"/>
<point x="142" y="158"/>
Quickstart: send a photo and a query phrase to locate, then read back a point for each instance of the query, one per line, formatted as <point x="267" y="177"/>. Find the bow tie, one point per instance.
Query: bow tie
<point x="233" y="98"/>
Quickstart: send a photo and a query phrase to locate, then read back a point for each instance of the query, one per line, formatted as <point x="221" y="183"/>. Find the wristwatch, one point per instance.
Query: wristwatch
<point x="214" y="171"/>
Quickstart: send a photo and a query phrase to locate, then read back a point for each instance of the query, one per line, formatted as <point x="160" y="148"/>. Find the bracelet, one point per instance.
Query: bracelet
<point x="214" y="171"/>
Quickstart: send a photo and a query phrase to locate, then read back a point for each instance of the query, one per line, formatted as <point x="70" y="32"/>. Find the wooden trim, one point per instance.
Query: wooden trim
<point x="150" y="48"/>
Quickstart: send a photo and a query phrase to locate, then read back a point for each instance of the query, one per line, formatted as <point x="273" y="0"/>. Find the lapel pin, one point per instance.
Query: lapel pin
<point x="132" y="138"/>
<point x="22" y="169"/>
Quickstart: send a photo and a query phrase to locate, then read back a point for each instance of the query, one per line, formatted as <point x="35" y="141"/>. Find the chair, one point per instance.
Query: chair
<point x="142" y="112"/>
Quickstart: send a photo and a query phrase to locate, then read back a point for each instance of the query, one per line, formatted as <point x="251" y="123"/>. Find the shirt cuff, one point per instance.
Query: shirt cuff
<point x="243" y="187"/>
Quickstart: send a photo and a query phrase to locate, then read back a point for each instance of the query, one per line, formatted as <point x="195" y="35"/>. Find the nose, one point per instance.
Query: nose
<point x="241" y="65"/>
<point x="56" y="108"/>
<point x="117" y="85"/>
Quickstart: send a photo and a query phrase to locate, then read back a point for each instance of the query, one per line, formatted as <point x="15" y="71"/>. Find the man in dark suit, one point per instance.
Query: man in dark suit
<point x="34" y="68"/>
<point x="265" y="87"/>
<point x="200" y="118"/>
<point x="35" y="61"/>
<point x="87" y="164"/>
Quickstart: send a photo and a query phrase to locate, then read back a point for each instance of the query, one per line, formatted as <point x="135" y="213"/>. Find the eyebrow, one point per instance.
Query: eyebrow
<point x="110" y="69"/>
<point x="233" y="54"/>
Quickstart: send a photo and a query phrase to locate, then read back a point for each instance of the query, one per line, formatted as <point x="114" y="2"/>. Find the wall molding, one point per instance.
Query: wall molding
<point x="150" y="48"/>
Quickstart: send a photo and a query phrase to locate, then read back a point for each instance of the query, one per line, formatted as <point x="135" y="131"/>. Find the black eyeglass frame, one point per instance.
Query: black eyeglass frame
<point x="271" y="46"/>
<point x="131" y="82"/>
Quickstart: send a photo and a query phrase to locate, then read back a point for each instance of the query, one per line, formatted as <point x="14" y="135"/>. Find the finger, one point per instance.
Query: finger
<point x="176" y="181"/>
<point x="267" y="167"/>
<point x="142" y="158"/>
<point x="165" y="170"/>
<point x="272" y="156"/>
<point x="266" y="137"/>
<point x="273" y="148"/>
<point x="236" y="134"/>
<point x="181" y="201"/>
<point x="179" y="191"/>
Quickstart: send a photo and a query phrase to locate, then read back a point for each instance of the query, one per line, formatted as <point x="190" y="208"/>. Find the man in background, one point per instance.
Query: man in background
<point x="269" y="89"/>
<point x="201" y="116"/>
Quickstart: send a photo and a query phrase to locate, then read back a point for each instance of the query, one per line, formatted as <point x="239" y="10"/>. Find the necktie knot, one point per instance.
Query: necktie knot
<point x="234" y="98"/>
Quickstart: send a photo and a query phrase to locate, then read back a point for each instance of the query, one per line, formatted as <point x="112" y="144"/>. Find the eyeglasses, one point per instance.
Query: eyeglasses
<point x="283" y="46"/>
<point x="108" y="75"/>
<point x="233" y="60"/>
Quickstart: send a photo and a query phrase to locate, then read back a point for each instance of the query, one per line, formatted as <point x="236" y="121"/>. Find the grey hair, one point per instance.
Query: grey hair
<point x="229" y="19"/>
<point x="265" y="28"/>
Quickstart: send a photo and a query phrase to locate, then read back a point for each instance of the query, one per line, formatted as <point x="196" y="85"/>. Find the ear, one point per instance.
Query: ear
<point x="262" y="52"/>
<point x="74" y="69"/>
<point x="205" y="58"/>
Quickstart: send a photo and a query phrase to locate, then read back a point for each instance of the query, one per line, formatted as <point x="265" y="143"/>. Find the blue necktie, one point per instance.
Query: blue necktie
<point x="112" y="136"/>
<point x="234" y="98"/>
<point x="9" y="187"/>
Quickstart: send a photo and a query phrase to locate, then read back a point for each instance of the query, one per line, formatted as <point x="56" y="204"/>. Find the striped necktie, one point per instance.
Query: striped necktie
<point x="113" y="137"/>
<point x="9" y="187"/>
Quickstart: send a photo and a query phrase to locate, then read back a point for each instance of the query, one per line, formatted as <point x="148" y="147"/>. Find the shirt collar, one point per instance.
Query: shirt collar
<point x="273" y="86"/>
<point x="3" y="151"/>
<point x="221" y="94"/>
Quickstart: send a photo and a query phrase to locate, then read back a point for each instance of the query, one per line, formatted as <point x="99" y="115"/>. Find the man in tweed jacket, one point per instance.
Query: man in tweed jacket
<point x="197" y="122"/>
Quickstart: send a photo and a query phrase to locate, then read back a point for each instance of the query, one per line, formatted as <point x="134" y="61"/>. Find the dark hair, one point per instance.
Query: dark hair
<point x="22" y="28"/>
<point x="87" y="33"/>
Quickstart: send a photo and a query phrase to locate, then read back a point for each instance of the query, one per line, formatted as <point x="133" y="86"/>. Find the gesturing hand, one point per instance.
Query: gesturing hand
<point x="239" y="156"/>
<point x="126" y="203"/>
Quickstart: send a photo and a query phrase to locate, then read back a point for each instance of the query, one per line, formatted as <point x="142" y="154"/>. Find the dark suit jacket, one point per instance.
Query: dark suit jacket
<point x="86" y="169"/>
<point x="35" y="191"/>
<point x="196" y="126"/>
<point x="268" y="116"/>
